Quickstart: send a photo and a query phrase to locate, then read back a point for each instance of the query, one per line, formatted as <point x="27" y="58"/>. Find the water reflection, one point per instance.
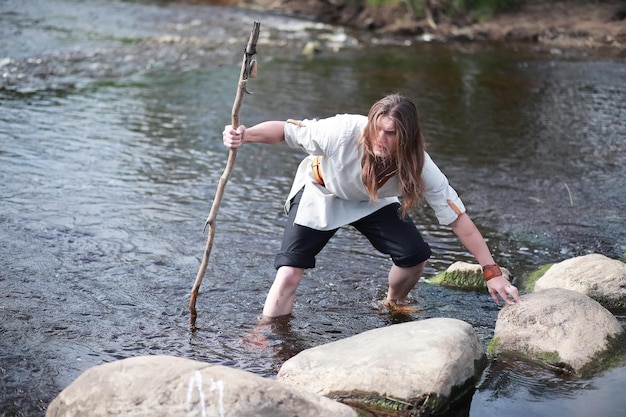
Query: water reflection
<point x="512" y="385"/>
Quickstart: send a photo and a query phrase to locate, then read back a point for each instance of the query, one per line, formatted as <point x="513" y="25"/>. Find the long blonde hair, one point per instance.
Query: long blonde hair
<point x="409" y="156"/>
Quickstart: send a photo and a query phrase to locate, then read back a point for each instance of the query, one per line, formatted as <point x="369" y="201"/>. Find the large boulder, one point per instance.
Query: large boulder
<point x="428" y="364"/>
<point x="559" y="327"/>
<point x="155" y="386"/>
<point x="595" y="275"/>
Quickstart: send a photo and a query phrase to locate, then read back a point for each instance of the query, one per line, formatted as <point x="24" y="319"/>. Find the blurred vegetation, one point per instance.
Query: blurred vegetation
<point x="482" y="9"/>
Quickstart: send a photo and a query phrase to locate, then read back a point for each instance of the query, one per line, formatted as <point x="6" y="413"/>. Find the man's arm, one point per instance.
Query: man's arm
<point x="471" y="238"/>
<point x="271" y="133"/>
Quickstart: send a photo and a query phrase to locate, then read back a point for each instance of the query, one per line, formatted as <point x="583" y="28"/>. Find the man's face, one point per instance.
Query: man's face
<point x="386" y="139"/>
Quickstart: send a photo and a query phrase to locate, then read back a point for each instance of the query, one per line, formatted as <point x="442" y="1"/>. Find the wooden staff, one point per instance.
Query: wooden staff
<point x="248" y="70"/>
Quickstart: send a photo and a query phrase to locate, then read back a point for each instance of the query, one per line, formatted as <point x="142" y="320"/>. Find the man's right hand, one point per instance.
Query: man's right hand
<point x="233" y="138"/>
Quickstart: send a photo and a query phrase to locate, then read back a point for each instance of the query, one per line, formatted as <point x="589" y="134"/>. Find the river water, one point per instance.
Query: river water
<point x="111" y="115"/>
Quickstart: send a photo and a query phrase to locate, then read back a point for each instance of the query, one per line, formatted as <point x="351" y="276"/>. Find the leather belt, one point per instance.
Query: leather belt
<point x="317" y="169"/>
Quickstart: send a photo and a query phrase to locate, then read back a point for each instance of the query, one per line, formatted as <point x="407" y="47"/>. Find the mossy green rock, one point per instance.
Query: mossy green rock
<point x="530" y="279"/>
<point x="464" y="276"/>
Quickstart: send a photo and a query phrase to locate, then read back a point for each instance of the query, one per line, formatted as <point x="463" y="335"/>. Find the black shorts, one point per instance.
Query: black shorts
<point x="385" y="230"/>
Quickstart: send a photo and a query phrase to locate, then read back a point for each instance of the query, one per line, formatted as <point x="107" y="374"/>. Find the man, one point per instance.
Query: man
<point x="356" y="169"/>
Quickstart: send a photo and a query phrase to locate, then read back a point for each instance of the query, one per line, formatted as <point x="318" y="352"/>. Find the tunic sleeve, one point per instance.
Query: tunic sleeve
<point x="439" y="195"/>
<point x="310" y="135"/>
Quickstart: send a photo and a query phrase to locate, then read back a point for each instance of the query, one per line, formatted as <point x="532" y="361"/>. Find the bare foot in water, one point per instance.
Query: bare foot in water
<point x="396" y="307"/>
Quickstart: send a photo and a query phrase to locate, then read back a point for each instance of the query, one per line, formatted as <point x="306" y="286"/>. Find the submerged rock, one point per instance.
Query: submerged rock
<point x="427" y="365"/>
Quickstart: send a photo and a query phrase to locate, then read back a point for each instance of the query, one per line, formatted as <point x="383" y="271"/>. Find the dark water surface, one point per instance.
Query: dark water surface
<point x="111" y="115"/>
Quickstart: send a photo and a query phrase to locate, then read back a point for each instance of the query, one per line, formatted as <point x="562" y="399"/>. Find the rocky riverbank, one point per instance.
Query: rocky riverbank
<point x="558" y="24"/>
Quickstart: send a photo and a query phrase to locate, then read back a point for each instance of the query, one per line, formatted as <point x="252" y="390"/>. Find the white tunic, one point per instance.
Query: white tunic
<point x="343" y="199"/>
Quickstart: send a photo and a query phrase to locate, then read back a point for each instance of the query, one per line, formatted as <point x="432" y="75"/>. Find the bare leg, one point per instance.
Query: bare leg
<point x="280" y="298"/>
<point x="402" y="281"/>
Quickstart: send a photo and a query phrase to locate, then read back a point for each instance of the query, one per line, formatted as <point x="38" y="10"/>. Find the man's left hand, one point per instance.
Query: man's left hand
<point x="500" y="287"/>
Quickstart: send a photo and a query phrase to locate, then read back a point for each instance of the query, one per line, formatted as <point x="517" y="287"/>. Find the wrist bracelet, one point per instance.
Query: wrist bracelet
<point x="491" y="271"/>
